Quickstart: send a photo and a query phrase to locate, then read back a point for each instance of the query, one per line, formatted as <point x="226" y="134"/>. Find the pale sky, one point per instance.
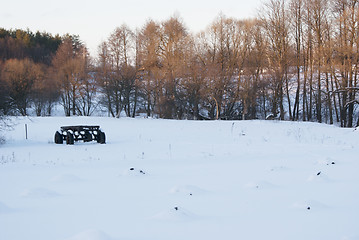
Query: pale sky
<point x="94" y="21"/>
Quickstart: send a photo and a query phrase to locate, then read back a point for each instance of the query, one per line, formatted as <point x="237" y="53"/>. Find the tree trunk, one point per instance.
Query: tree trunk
<point x="329" y="100"/>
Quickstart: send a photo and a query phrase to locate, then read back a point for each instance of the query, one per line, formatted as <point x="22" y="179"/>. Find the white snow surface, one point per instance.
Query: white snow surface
<point x="180" y="180"/>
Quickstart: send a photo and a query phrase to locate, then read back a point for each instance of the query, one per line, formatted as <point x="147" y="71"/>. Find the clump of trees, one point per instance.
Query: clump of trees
<point x="27" y="79"/>
<point x="298" y="60"/>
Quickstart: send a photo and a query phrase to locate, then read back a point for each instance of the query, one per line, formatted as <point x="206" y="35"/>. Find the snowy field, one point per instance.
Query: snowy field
<point x="190" y="180"/>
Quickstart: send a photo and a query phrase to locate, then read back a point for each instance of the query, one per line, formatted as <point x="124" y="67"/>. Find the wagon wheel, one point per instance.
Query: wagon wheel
<point x="70" y="138"/>
<point x="87" y="136"/>
<point x="101" y="137"/>
<point x="58" y="138"/>
<point x="98" y="134"/>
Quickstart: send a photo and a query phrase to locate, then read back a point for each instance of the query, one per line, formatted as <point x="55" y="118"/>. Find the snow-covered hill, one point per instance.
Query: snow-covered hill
<point x="168" y="180"/>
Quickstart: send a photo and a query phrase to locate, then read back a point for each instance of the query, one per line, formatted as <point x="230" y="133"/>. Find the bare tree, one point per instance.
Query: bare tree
<point x="173" y="40"/>
<point x="119" y="76"/>
<point x="296" y="12"/>
<point x="149" y="65"/>
<point x="255" y="91"/>
<point x="346" y="60"/>
<point x="21" y="76"/>
<point x="45" y="94"/>
<point x="69" y="69"/>
<point x="276" y="26"/>
<point x="87" y="88"/>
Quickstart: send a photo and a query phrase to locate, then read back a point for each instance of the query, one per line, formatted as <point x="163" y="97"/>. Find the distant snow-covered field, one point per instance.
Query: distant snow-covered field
<point x="180" y="180"/>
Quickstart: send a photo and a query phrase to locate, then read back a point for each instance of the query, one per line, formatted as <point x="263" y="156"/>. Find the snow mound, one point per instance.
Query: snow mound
<point x="66" y="178"/>
<point x="309" y="205"/>
<point x="350" y="238"/>
<point x="326" y="162"/>
<point x="133" y="172"/>
<point x="319" y="177"/>
<point x="39" y="193"/>
<point x="175" y="214"/>
<point x="4" y="208"/>
<point x="260" y="185"/>
<point x="90" y="235"/>
<point x="279" y="168"/>
<point x="188" y="190"/>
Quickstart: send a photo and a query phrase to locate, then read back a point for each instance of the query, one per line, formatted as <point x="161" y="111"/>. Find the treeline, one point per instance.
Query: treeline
<point x="22" y="44"/>
<point x="298" y="60"/>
